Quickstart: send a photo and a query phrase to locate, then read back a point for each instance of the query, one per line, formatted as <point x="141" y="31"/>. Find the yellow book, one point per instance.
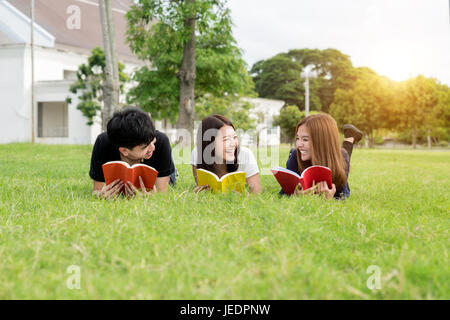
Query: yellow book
<point x="234" y="181"/>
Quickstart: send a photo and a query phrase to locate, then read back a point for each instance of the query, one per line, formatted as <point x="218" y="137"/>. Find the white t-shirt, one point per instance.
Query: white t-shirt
<point x="246" y="161"/>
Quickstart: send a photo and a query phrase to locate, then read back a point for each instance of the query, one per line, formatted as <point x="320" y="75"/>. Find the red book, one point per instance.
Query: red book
<point x="289" y="180"/>
<point x="121" y="170"/>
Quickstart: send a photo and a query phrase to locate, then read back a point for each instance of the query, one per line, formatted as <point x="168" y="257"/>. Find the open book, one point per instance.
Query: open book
<point x="234" y="181"/>
<point x="289" y="180"/>
<point x="121" y="170"/>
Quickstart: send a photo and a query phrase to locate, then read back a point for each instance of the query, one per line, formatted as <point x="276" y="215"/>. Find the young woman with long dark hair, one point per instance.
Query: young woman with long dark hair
<point x="218" y="151"/>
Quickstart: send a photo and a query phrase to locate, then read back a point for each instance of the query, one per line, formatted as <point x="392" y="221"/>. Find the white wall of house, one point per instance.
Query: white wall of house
<point x="54" y="72"/>
<point x="55" y="69"/>
<point x="15" y="100"/>
<point x="263" y="112"/>
<point x="56" y="92"/>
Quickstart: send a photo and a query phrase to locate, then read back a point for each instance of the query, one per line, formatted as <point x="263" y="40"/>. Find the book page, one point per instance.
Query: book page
<point x="234" y="182"/>
<point x="205" y="177"/>
<point x="148" y="175"/>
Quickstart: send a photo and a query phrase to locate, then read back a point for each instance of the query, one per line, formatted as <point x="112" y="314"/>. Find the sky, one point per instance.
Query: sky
<point x="396" y="38"/>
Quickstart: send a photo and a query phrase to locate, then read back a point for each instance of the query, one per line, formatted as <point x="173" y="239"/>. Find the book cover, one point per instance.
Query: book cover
<point x="234" y="181"/>
<point x="289" y="180"/>
<point x="121" y="170"/>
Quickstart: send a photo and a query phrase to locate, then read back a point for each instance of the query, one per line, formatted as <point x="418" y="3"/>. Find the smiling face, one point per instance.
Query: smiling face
<point x="303" y="143"/>
<point x="140" y="152"/>
<point x="226" y="144"/>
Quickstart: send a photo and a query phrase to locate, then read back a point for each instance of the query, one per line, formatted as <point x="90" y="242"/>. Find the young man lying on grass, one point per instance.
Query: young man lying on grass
<point x="131" y="137"/>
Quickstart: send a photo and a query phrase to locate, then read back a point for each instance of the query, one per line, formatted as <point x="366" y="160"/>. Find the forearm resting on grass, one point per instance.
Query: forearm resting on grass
<point x="254" y="184"/>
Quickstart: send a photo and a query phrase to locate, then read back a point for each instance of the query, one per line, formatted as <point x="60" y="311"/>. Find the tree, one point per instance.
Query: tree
<point x="90" y="84"/>
<point x="288" y="119"/>
<point x="334" y="70"/>
<point x="190" y="46"/>
<point x="441" y="128"/>
<point x="368" y="105"/>
<point x="111" y="86"/>
<point x="279" y="76"/>
<point x="420" y="99"/>
<point x="232" y="107"/>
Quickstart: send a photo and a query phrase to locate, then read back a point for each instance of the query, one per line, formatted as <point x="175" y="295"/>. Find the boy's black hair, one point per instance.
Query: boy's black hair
<point x="130" y="127"/>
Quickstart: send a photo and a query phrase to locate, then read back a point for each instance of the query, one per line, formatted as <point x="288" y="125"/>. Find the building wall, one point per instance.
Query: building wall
<point x="51" y="67"/>
<point x="78" y="131"/>
<point x="268" y="134"/>
<point x="4" y="39"/>
<point x="15" y="98"/>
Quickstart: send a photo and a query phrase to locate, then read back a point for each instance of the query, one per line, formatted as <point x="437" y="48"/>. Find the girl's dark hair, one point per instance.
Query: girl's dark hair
<point x="130" y="127"/>
<point x="210" y="125"/>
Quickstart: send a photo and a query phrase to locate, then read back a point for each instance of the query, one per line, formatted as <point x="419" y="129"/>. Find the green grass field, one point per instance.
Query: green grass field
<point x="187" y="246"/>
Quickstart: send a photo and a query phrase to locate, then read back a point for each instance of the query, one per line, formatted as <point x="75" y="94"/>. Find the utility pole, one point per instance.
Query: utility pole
<point x="305" y="73"/>
<point x="33" y="138"/>
<point x="307" y="94"/>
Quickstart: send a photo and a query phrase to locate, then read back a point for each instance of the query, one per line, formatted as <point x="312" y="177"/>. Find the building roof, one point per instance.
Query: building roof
<point x="53" y="15"/>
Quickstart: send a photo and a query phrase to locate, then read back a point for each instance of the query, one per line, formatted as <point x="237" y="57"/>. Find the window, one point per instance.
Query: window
<point x="70" y="75"/>
<point x="52" y="120"/>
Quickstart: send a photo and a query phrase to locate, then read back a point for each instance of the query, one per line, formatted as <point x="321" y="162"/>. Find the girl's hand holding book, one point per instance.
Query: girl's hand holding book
<point x="324" y="190"/>
<point x="201" y="188"/>
<point x="321" y="189"/>
<point x="299" y="190"/>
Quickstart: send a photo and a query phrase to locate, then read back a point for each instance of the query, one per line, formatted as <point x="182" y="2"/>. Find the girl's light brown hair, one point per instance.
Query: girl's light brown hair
<point x="325" y="147"/>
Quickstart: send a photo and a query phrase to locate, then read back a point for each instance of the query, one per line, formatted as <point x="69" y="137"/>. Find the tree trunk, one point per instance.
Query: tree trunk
<point x="366" y="141"/>
<point x="114" y="61"/>
<point x="414" y="135"/>
<point x="187" y="75"/>
<point x="111" y="85"/>
<point x="258" y="139"/>
<point x="429" y="137"/>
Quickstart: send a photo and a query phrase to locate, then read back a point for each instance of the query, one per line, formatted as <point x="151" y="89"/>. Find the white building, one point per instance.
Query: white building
<point x="65" y="32"/>
<point x="263" y="112"/>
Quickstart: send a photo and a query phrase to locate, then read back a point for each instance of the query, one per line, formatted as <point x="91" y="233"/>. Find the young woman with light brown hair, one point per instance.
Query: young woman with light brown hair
<point x="318" y="143"/>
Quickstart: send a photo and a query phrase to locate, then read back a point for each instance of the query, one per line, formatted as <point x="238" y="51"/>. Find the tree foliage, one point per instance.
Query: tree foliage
<point x="280" y="76"/>
<point x="369" y="105"/>
<point x="288" y="119"/>
<point x="158" y="33"/>
<point x="232" y="107"/>
<point x="90" y="85"/>
<point x="419" y="104"/>
<point x="441" y="127"/>
<point x="354" y="95"/>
